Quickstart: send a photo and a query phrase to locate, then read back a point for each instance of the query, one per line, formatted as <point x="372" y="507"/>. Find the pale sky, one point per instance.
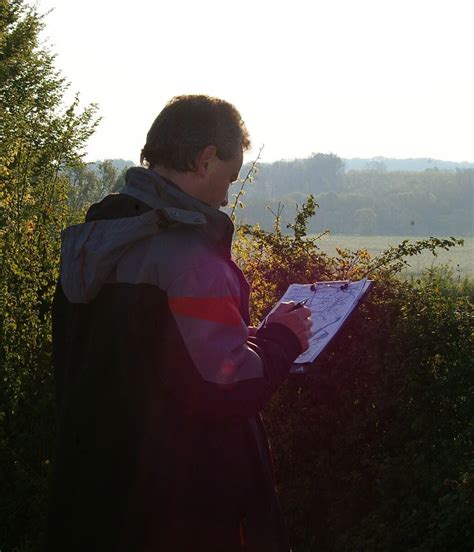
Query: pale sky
<point x="358" y="78"/>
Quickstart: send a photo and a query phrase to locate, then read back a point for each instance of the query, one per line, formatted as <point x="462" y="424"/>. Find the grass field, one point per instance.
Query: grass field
<point x="460" y="259"/>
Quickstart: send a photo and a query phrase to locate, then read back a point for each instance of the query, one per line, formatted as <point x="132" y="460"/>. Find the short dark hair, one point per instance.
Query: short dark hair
<point x="186" y="125"/>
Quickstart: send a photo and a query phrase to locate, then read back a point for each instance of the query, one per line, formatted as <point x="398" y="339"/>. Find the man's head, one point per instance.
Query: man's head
<point x="198" y="142"/>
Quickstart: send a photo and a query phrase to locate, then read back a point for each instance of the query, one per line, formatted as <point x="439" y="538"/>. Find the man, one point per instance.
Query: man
<point x="160" y="443"/>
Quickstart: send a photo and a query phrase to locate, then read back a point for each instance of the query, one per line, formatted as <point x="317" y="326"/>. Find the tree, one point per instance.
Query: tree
<point x="365" y="220"/>
<point x="39" y="138"/>
<point x="89" y="183"/>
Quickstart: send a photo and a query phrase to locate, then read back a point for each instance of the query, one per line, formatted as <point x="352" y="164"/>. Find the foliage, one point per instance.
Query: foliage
<point x="237" y="198"/>
<point x="448" y="283"/>
<point x="364" y="202"/>
<point x="89" y="185"/>
<point x="374" y="445"/>
<point x="40" y="137"/>
<point x="273" y="260"/>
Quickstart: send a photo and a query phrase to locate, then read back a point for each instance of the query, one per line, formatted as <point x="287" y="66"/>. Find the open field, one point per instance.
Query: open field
<point x="460" y="259"/>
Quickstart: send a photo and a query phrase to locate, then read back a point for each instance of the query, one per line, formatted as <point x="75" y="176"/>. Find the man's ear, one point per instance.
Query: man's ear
<point x="204" y="158"/>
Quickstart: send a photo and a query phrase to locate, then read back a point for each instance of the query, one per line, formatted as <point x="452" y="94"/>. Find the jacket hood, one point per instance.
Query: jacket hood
<point x="90" y="251"/>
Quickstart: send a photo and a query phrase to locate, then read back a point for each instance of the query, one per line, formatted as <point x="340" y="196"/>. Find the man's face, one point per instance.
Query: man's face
<point x="221" y="174"/>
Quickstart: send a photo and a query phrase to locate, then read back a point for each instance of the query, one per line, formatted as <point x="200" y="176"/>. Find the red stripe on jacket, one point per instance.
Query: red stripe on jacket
<point x="222" y="310"/>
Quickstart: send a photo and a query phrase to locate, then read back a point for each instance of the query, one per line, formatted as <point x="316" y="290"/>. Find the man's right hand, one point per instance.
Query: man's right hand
<point x="297" y="320"/>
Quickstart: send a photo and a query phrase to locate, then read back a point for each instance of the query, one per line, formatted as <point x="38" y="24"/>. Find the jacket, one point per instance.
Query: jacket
<point x="160" y="443"/>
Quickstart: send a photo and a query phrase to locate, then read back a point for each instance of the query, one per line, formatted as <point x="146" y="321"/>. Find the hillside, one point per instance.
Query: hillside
<point x="413" y="164"/>
<point x="372" y="201"/>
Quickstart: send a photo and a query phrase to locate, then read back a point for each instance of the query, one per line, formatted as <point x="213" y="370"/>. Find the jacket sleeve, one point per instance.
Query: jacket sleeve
<point x="229" y="374"/>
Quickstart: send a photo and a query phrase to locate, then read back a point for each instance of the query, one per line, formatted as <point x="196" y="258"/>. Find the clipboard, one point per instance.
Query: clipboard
<point x="330" y="303"/>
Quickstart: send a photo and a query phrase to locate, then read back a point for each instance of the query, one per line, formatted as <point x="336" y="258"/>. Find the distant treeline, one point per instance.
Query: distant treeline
<point x="412" y="164"/>
<point x="371" y="201"/>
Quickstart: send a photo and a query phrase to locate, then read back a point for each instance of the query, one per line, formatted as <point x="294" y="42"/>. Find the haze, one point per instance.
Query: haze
<point x="358" y="79"/>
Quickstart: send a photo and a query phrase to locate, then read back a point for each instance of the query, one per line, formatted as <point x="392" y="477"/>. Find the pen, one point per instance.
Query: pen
<point x="299" y="304"/>
<point x="304" y="301"/>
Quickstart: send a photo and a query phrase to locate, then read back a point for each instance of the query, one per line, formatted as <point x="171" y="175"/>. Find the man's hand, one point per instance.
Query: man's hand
<point x="297" y="320"/>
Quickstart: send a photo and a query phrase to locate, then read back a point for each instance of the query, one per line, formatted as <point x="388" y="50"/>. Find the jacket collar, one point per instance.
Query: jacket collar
<point x="158" y="192"/>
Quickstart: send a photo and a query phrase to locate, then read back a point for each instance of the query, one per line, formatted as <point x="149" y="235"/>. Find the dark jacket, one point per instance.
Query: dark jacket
<point x="159" y="386"/>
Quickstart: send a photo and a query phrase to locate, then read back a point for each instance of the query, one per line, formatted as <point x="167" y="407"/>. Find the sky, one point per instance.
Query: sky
<point x="357" y="78"/>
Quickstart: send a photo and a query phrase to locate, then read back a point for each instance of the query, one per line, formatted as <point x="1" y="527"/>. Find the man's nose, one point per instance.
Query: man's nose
<point x="226" y="200"/>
